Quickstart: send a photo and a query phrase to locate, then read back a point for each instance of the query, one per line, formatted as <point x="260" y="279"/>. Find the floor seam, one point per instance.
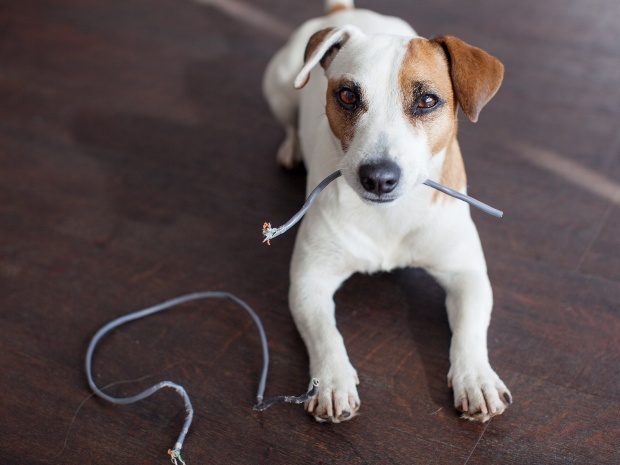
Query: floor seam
<point x="477" y="442"/>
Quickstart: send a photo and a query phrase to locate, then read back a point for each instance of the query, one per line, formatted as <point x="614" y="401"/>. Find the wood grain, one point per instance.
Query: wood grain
<point x="137" y="163"/>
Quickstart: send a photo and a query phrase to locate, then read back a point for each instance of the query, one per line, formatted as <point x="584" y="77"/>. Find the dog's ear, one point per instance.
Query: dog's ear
<point x="322" y="48"/>
<point x="475" y="74"/>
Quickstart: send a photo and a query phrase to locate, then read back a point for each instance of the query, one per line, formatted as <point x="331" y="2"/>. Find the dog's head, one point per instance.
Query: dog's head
<point x="392" y="102"/>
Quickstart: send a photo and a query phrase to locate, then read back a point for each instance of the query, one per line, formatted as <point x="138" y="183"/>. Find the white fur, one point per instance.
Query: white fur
<point x="343" y="233"/>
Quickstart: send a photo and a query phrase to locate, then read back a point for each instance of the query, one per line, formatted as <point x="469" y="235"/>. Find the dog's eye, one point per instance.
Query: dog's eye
<point x="425" y="103"/>
<point x="348" y="98"/>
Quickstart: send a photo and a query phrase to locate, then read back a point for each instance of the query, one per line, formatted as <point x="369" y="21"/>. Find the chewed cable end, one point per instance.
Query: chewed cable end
<point x="269" y="232"/>
<point x="314" y="390"/>
<point x="175" y="456"/>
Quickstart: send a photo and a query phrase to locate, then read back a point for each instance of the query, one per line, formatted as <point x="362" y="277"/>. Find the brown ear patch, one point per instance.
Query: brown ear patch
<point x="322" y="47"/>
<point x="476" y="75"/>
<point x="315" y="40"/>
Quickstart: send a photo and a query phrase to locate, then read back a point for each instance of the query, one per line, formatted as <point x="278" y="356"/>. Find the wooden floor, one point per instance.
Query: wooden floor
<point x="137" y="164"/>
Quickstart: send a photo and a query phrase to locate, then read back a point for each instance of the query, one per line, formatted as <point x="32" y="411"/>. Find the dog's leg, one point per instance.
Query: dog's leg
<point x="313" y="285"/>
<point x="283" y="100"/>
<point x="478" y="392"/>
<point x="289" y="153"/>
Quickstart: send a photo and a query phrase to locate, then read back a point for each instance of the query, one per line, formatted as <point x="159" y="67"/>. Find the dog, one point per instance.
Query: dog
<point x="383" y="110"/>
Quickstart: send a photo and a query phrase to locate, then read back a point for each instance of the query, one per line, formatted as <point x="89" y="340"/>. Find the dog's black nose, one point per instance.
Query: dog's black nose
<point x="380" y="177"/>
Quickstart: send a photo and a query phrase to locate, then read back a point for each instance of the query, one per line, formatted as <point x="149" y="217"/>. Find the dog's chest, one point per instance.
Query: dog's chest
<point x="382" y="239"/>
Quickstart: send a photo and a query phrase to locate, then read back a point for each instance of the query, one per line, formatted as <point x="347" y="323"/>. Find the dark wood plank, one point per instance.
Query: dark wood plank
<point x="598" y="260"/>
<point x="565" y="430"/>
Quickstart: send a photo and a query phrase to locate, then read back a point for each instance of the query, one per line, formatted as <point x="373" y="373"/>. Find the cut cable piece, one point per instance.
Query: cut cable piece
<point x="290" y="399"/>
<point x="175" y="452"/>
<point x="465" y="198"/>
<point x="270" y="233"/>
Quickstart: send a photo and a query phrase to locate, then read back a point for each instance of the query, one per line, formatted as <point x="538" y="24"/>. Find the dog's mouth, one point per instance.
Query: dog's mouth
<point x="377" y="199"/>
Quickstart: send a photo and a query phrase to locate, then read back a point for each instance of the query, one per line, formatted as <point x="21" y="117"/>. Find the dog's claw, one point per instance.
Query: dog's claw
<point x="464" y="406"/>
<point x="336" y="401"/>
<point x="479" y="394"/>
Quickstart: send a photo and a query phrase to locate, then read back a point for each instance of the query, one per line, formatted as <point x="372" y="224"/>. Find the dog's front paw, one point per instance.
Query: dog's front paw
<point x="337" y="399"/>
<point x="479" y="394"/>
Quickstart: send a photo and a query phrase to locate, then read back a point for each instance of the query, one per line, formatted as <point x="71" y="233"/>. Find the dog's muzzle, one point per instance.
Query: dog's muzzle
<point x="379" y="179"/>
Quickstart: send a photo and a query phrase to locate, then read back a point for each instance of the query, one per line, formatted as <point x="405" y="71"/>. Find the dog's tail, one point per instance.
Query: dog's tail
<point x="331" y="6"/>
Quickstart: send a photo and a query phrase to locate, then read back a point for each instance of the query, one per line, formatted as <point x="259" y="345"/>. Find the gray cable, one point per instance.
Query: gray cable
<point x="175" y="453"/>
<point x="466" y="198"/>
<point x="312" y="392"/>
<point x="269" y="232"/>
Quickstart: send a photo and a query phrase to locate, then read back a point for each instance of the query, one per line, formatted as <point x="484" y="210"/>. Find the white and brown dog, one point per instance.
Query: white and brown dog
<point x="384" y="112"/>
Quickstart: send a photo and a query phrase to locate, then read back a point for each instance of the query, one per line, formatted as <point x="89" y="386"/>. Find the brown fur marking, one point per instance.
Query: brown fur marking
<point x="476" y="75"/>
<point x="316" y="40"/>
<point x="425" y="70"/>
<point x="453" y="172"/>
<point x="341" y="121"/>
<point x="339" y="7"/>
